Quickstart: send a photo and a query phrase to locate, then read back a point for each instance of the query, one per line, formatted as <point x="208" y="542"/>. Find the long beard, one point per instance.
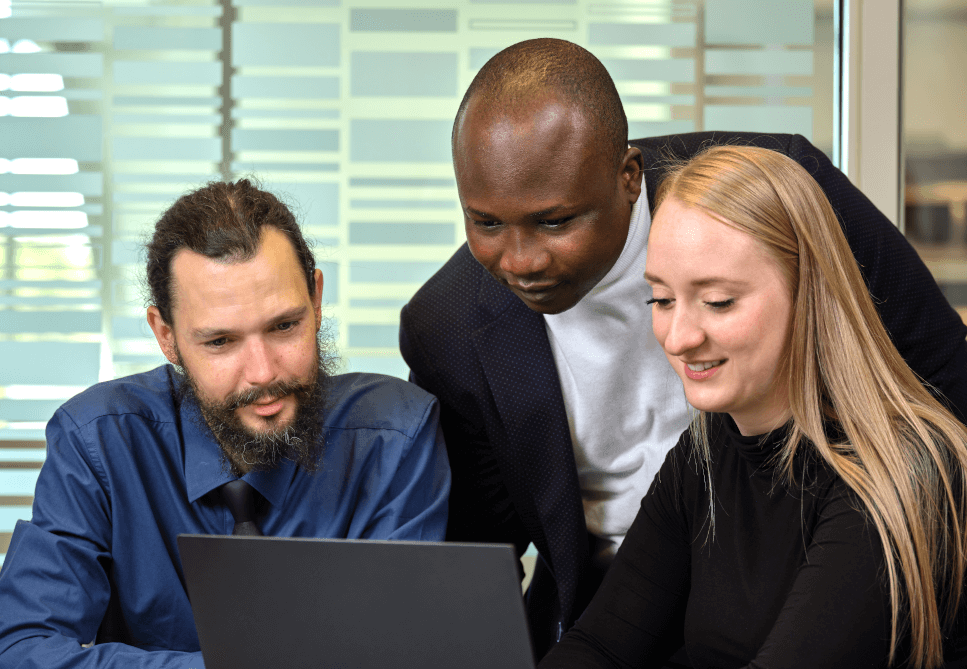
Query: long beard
<point x="243" y="449"/>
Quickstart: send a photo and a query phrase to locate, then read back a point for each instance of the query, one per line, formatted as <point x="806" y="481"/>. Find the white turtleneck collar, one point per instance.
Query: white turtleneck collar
<point x="625" y="404"/>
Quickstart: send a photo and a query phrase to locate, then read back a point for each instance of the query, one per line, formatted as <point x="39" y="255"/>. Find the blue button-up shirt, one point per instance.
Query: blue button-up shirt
<point x="127" y="470"/>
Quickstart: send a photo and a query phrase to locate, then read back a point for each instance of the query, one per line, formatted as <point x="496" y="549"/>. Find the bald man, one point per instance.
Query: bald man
<point x="558" y="406"/>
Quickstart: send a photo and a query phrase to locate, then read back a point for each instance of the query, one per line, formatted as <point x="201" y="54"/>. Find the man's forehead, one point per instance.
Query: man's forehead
<point x="542" y="113"/>
<point x="275" y="260"/>
<point x="548" y="146"/>
<point x="272" y="242"/>
<point x="190" y="268"/>
<point x="536" y="135"/>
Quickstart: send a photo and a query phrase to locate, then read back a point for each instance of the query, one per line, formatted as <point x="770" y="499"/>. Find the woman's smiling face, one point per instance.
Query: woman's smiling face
<point x="722" y="311"/>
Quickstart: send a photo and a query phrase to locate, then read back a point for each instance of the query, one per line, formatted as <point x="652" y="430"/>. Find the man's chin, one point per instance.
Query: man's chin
<point x="250" y="442"/>
<point x="265" y="429"/>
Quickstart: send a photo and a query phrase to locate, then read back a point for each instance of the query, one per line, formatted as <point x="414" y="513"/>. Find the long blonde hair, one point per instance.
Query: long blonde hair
<point x="903" y="455"/>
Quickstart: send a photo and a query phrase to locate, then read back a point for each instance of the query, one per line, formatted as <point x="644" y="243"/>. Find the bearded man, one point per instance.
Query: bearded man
<point x="250" y="396"/>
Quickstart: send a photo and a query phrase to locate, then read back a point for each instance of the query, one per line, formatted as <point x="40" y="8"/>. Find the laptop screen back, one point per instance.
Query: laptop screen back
<point x="264" y="602"/>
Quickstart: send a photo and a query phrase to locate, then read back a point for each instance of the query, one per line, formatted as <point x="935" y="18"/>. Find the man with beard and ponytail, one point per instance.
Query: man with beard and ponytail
<point x="249" y="402"/>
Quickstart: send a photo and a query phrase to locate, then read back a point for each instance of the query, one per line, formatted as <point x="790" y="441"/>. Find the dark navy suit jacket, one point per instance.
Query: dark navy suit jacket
<point x="486" y="356"/>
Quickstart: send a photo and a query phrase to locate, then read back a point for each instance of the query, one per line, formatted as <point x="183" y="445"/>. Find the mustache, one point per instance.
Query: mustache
<point x="275" y="390"/>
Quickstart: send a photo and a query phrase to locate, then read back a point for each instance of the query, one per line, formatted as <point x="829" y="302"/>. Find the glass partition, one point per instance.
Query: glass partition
<point x="935" y="139"/>
<point x="109" y="110"/>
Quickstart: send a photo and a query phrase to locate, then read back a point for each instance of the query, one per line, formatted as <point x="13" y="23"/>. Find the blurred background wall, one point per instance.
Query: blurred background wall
<point x="109" y="110"/>
<point x="934" y="112"/>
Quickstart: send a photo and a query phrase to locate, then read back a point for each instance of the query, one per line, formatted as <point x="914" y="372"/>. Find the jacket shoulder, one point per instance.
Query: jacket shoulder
<point x="686" y="145"/>
<point x="460" y="298"/>
<point x="452" y="290"/>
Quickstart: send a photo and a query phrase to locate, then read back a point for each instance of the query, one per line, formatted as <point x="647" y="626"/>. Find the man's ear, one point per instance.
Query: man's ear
<point x="317" y="298"/>
<point x="164" y="334"/>
<point x="629" y="173"/>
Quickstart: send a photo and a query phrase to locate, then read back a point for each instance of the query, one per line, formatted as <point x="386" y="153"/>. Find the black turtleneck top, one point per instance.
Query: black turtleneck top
<point x="793" y="576"/>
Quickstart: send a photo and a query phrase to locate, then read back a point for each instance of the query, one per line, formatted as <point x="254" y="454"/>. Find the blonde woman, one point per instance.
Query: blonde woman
<point x="816" y="513"/>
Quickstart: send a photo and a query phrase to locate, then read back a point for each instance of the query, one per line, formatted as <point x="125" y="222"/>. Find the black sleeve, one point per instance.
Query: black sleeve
<point x="926" y="330"/>
<point x="636" y="619"/>
<point x="480" y="508"/>
<point x="837" y="614"/>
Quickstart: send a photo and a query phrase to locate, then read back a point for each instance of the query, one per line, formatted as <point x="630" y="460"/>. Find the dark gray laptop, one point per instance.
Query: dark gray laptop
<point x="268" y="602"/>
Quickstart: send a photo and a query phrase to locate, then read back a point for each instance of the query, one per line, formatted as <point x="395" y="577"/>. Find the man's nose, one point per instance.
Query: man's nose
<point x="260" y="363"/>
<point x="523" y="254"/>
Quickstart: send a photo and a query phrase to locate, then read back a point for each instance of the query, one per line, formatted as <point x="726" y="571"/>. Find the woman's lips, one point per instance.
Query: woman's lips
<point x="703" y="370"/>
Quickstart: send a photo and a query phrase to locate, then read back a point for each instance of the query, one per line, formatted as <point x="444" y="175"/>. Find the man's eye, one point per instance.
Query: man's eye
<point x="484" y="224"/>
<point x="288" y="325"/>
<point x="554" y="222"/>
<point x="217" y="343"/>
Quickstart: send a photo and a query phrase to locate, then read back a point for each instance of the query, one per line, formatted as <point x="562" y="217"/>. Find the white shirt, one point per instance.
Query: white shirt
<point x="625" y="405"/>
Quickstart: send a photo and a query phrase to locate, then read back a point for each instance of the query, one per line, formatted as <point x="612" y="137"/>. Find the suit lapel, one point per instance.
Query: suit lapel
<point x="537" y="455"/>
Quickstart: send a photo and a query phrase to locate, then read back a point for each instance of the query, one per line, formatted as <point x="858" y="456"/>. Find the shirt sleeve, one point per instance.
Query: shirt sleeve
<point x="54" y="585"/>
<point x="413" y="504"/>
<point x="837" y="614"/>
<point x="636" y="619"/>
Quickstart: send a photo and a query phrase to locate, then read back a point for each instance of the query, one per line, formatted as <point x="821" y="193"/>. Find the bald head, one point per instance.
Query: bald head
<point x="524" y="76"/>
<point x="546" y="180"/>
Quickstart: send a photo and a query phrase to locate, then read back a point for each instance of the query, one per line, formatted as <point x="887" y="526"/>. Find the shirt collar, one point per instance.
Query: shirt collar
<point x="633" y="252"/>
<point x="205" y="471"/>
<point x="274" y="484"/>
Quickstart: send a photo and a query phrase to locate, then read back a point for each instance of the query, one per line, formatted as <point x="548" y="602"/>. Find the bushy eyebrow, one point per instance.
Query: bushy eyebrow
<point x="543" y="213"/>
<point x="481" y="214"/>
<point x="294" y="314"/>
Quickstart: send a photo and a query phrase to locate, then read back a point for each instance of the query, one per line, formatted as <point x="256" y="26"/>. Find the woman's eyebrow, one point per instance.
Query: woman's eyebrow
<point x="702" y="282"/>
